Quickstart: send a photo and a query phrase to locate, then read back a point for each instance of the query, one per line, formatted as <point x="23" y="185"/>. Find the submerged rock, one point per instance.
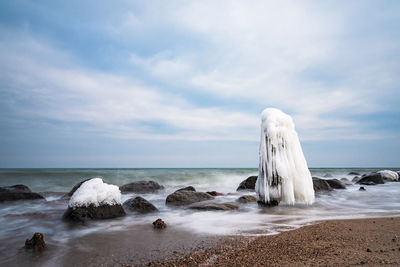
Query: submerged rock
<point x="210" y="205"/>
<point x="140" y="205"/>
<point x="371" y="179"/>
<point x="187" y="188"/>
<point x="92" y="212"/>
<point x="336" y="184"/>
<point x="362" y="188"/>
<point x="321" y="185"/>
<point x="159" y="224"/>
<point x="36" y="242"/>
<point x="247" y="199"/>
<point x="141" y="187"/>
<point x="180" y="198"/>
<point x="353" y="173"/>
<point x="248" y="184"/>
<point x="215" y="193"/>
<point x="18" y="192"/>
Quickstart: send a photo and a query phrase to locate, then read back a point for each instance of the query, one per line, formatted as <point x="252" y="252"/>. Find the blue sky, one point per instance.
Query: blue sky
<point x="183" y="83"/>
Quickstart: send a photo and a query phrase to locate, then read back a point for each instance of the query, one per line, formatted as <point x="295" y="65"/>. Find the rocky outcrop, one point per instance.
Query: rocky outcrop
<point x="141" y="187"/>
<point x="70" y="193"/>
<point x="336" y="184"/>
<point x="92" y="212"/>
<point x="187" y="188"/>
<point x="321" y="185"/>
<point x="139" y="204"/>
<point x="36" y="242"/>
<point x="210" y="205"/>
<point x="159" y="224"/>
<point x="371" y="179"/>
<point x="248" y="184"/>
<point x="17" y="192"/>
<point x="215" y="193"/>
<point x="246" y="199"/>
<point x="181" y="198"/>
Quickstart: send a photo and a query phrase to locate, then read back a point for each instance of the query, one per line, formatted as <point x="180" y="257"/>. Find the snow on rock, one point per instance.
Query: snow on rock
<point x="389" y="175"/>
<point x="95" y="192"/>
<point x="283" y="171"/>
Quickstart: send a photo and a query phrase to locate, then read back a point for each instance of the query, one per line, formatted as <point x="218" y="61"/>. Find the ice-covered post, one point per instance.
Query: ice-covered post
<point x="283" y="173"/>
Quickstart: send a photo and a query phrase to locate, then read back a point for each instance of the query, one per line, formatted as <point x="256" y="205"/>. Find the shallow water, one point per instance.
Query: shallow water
<point x="19" y="220"/>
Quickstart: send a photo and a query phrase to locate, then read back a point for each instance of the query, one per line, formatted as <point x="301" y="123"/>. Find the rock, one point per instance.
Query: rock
<point x="248" y="184"/>
<point x="91" y="212"/>
<point x="362" y="188"/>
<point x="321" y="185"/>
<point x="247" y="199"/>
<point x="346" y="181"/>
<point x="188" y="188"/>
<point x="328" y="175"/>
<point x="210" y="205"/>
<point x="356" y="179"/>
<point x="36" y="242"/>
<point x="215" y="193"/>
<point x="140" y="205"/>
<point x="18" y="192"/>
<point x="159" y="224"/>
<point x="389" y="176"/>
<point x="180" y="198"/>
<point x="272" y="203"/>
<point x="70" y="193"/>
<point x="375" y="178"/>
<point x="353" y="173"/>
<point x="141" y="187"/>
<point x="336" y="184"/>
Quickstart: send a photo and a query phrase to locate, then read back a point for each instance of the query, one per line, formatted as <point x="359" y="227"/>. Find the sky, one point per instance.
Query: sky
<point x="183" y="83"/>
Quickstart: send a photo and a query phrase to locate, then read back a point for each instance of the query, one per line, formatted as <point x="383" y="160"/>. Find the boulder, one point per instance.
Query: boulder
<point x="356" y="179"/>
<point x="371" y="179"/>
<point x="159" y="224"/>
<point x="187" y="188"/>
<point x="18" y="192"/>
<point x="389" y="176"/>
<point x="140" y="205"/>
<point x="362" y="188"/>
<point x="92" y="212"/>
<point x="321" y="185"/>
<point x="36" y="242"/>
<point x="141" y="187"/>
<point x="336" y="184"/>
<point x="353" y="173"/>
<point x="247" y="199"/>
<point x="70" y="193"/>
<point x="215" y="193"/>
<point x="211" y="205"/>
<point x="180" y="198"/>
<point x="248" y="184"/>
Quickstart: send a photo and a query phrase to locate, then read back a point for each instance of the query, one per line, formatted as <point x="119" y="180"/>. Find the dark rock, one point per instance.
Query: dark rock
<point x="321" y="185"/>
<point x="180" y="198"/>
<point x="215" y="193"/>
<point x="362" y="188"/>
<point x="336" y="184"/>
<point x="328" y="175"/>
<point x="248" y="184"/>
<point x="140" y="205"/>
<point x="188" y="188"/>
<point x="141" y="187"/>
<point x="247" y="199"/>
<point x="36" y="242"/>
<point x="368" y="250"/>
<point x="353" y="173"/>
<point x="271" y="203"/>
<point x="91" y="212"/>
<point x="17" y="192"/>
<point x="356" y="179"/>
<point x="210" y="205"/>
<point x="70" y="193"/>
<point x="375" y="178"/>
<point x="159" y="224"/>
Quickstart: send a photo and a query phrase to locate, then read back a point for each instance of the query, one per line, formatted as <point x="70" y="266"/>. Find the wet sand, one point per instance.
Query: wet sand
<point x="366" y="242"/>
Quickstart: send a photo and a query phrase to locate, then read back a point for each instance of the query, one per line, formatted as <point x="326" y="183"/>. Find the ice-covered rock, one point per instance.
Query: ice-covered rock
<point x="388" y="175"/>
<point x="283" y="171"/>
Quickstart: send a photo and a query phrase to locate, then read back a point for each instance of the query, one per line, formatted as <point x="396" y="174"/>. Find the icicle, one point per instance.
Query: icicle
<point x="283" y="172"/>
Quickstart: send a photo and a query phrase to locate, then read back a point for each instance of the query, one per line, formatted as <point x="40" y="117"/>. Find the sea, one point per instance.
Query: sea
<point x="20" y="219"/>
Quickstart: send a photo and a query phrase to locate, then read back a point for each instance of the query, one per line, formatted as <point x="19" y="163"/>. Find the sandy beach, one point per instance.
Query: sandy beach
<point x="367" y="242"/>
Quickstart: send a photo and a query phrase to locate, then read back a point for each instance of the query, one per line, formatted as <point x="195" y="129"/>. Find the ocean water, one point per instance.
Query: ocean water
<point x="19" y="220"/>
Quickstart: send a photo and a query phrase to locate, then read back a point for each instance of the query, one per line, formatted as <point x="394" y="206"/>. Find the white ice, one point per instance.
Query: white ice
<point x="95" y="192"/>
<point x="283" y="171"/>
<point x="387" y="174"/>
